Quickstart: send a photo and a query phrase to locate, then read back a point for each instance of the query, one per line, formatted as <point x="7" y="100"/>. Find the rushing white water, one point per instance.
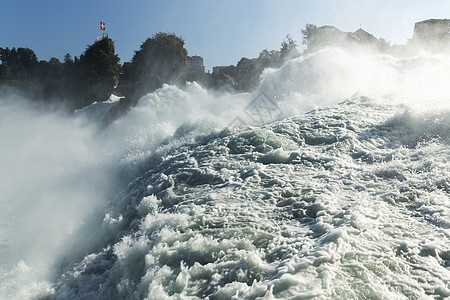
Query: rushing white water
<point x="343" y="193"/>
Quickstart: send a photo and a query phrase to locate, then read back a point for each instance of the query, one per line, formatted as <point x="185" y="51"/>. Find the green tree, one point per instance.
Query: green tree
<point x="22" y="62"/>
<point x="100" y="61"/>
<point x="68" y="69"/>
<point x="5" y="72"/>
<point x="269" y="58"/>
<point x="55" y="68"/>
<point x="94" y="76"/>
<point x="49" y="76"/>
<point x="27" y="59"/>
<point x="288" y="49"/>
<point x="4" y="55"/>
<point x="308" y="33"/>
<point x="161" y="59"/>
<point x="68" y="59"/>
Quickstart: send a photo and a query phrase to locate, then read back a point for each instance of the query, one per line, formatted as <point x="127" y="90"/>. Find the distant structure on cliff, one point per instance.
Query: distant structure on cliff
<point x="328" y="36"/>
<point x="331" y="36"/>
<point x="364" y="37"/>
<point x="432" y="33"/>
<point x="195" y="65"/>
<point x="195" y="71"/>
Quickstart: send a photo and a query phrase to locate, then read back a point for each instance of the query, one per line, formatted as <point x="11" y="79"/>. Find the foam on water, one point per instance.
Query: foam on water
<point x="339" y="196"/>
<point x="330" y="204"/>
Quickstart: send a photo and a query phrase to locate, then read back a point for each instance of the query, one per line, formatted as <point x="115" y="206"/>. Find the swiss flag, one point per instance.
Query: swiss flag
<point x="102" y="25"/>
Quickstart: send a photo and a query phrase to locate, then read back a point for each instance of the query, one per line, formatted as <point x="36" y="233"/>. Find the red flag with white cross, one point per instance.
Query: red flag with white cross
<point x="102" y="26"/>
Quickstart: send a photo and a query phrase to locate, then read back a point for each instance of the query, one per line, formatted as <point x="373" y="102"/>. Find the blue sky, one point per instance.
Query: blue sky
<point x="222" y="31"/>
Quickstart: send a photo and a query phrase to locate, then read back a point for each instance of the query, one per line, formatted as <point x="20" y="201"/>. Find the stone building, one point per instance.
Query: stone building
<point x="364" y="37"/>
<point x="331" y="36"/>
<point x="195" y="65"/>
<point x="432" y="32"/>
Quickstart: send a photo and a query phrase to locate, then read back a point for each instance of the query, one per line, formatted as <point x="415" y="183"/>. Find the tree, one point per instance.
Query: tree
<point x="308" y="33"/>
<point x="68" y="59"/>
<point x="100" y="61"/>
<point x="49" y="76"/>
<point x="288" y="49"/>
<point x="4" y="54"/>
<point x="22" y="62"/>
<point x="161" y="59"/>
<point x="27" y="58"/>
<point x="52" y="69"/>
<point x="68" y="68"/>
<point x="269" y="58"/>
<point x="5" y="72"/>
<point x="94" y="76"/>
